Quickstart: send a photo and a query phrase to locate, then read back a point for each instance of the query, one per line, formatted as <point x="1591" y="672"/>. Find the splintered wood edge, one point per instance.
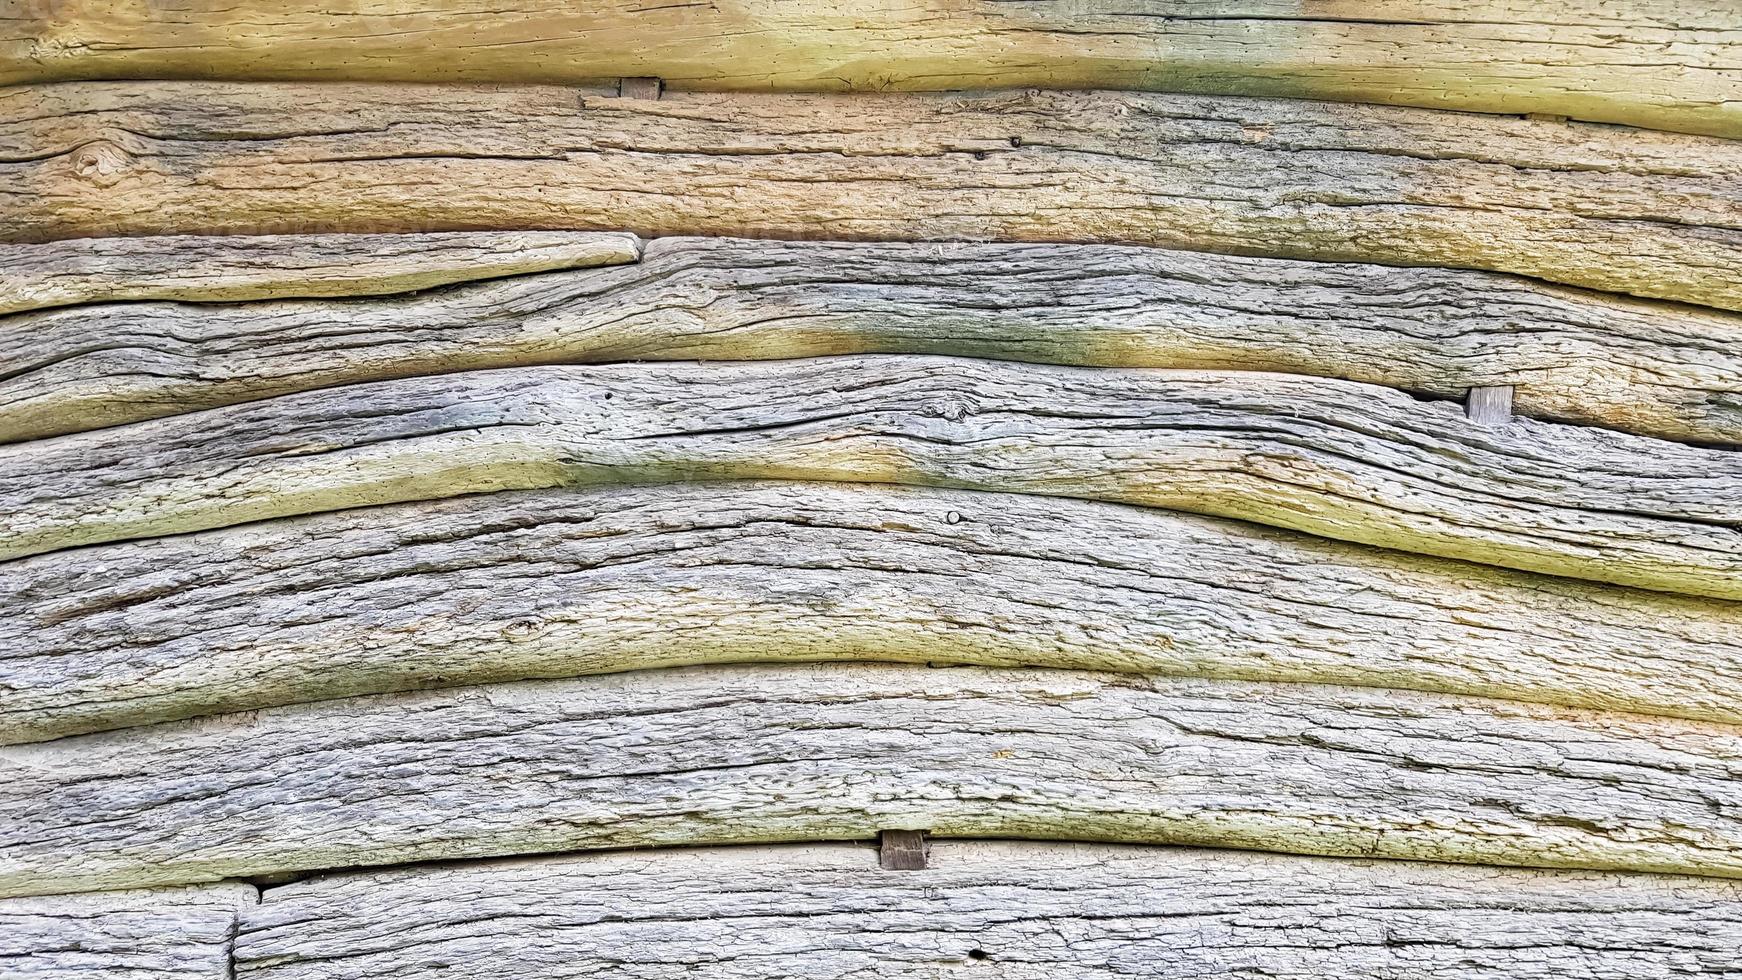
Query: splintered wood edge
<point x="232" y="268"/>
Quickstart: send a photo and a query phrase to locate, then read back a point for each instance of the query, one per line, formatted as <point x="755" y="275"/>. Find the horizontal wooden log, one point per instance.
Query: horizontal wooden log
<point x="840" y="751"/>
<point x="1334" y="458"/>
<point x="1641" y="62"/>
<point x="162" y="934"/>
<point x="230" y="268"/>
<point x="1025" y="910"/>
<point x="1632" y="211"/>
<point x="558" y="583"/>
<point x="1659" y="369"/>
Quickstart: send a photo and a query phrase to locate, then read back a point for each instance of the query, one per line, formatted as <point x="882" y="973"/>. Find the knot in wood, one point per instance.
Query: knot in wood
<point x="101" y="163"/>
<point x="948" y="409"/>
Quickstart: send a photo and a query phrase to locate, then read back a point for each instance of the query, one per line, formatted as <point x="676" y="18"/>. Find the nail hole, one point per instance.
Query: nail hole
<point x="979" y="954"/>
<point x="979" y="154"/>
<point x="1016" y="142"/>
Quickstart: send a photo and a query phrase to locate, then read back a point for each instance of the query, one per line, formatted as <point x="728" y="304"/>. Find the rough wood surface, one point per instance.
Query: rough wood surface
<point x="1015" y="909"/>
<point x="1660" y="369"/>
<point x="557" y="583"/>
<point x="1623" y="210"/>
<point x="179" y="933"/>
<point x="841" y="751"/>
<point x="1650" y="63"/>
<point x="248" y="267"/>
<point x="1334" y="458"/>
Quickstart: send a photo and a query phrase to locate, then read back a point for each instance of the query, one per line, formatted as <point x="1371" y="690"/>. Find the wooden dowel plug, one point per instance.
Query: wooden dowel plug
<point x="901" y="850"/>
<point x="1489" y="406"/>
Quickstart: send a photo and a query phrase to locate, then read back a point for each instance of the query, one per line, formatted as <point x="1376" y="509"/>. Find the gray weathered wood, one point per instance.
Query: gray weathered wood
<point x="1655" y="368"/>
<point x="745" y="753"/>
<point x="1337" y="459"/>
<point x="161" y="934"/>
<point x="1016" y="909"/>
<point x="1624" y="210"/>
<point x="243" y="267"/>
<point x="557" y="583"/>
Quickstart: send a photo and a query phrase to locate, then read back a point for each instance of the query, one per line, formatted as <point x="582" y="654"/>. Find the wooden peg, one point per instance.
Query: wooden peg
<point x="901" y="850"/>
<point x="1489" y="406"/>
<point x="640" y="87"/>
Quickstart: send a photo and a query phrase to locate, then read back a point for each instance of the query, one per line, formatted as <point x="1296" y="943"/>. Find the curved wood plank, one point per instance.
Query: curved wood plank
<point x="559" y="583"/>
<point x="1658" y="369"/>
<point x="162" y="934"/>
<point x="749" y="754"/>
<point x="1646" y="63"/>
<point x="1026" y="910"/>
<point x="1631" y="211"/>
<point x="1333" y="458"/>
<point x="229" y="268"/>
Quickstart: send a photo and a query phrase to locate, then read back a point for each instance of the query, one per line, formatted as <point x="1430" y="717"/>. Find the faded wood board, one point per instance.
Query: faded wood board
<point x="1016" y="909"/>
<point x="1642" y="62"/>
<point x="248" y="267"/>
<point x="1333" y="458"/>
<point x="178" y="933"/>
<point x="1659" y="369"/>
<point x="1622" y="210"/>
<point x="788" y="753"/>
<point x="557" y="583"/>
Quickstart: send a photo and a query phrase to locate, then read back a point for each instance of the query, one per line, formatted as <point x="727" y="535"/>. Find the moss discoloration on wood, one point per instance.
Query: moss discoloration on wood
<point x="1627" y="211"/>
<point x="747" y="754"/>
<point x="557" y="583"/>
<point x="1655" y="368"/>
<point x="1641" y="62"/>
<point x="1334" y="458"/>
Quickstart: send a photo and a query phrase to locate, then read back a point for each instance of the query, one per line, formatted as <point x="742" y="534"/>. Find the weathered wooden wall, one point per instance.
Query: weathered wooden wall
<point x="1027" y="910"/>
<point x="796" y="447"/>
<point x="1339" y="459"/>
<point x="1652" y="63"/>
<point x="757" y="753"/>
<point x="1571" y="355"/>
<point x="508" y="586"/>
<point x="1633" y="211"/>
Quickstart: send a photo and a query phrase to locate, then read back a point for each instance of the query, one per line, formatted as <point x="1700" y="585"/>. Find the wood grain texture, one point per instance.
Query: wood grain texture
<point x="841" y="751"/>
<point x="1011" y="909"/>
<point x="558" y="583"/>
<point x="1659" y="369"/>
<point x="1333" y="458"/>
<point x="1646" y="63"/>
<point x="1622" y="210"/>
<point x="160" y="934"/>
<point x="225" y="269"/>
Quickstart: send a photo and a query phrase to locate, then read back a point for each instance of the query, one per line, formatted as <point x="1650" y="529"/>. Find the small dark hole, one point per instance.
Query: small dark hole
<point x="607" y="396"/>
<point x="979" y="954"/>
<point x="1016" y="141"/>
<point x="979" y="154"/>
